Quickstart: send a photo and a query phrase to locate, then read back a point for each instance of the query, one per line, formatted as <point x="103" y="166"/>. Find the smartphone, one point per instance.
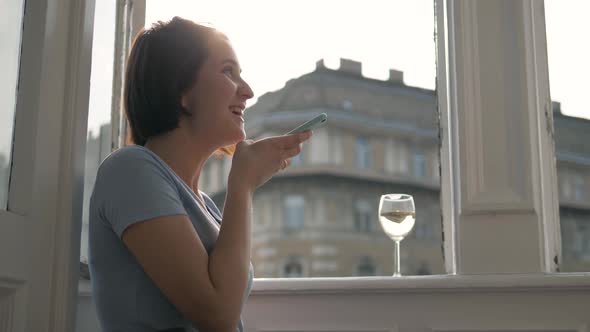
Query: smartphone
<point x="311" y="124"/>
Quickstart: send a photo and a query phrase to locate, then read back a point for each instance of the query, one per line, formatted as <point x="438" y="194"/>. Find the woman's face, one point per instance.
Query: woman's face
<point x="218" y="98"/>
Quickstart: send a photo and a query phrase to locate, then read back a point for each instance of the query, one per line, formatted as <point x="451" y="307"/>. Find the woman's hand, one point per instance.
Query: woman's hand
<point x="255" y="162"/>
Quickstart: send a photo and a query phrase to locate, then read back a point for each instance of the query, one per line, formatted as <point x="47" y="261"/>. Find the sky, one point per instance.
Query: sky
<point x="568" y="51"/>
<point x="277" y="40"/>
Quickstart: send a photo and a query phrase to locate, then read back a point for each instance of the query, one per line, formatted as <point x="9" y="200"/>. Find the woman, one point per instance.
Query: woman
<point x="162" y="257"/>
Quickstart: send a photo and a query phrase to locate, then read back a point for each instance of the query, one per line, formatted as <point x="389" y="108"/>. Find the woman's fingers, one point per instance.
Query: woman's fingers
<point x="292" y="152"/>
<point x="286" y="163"/>
<point x="290" y="141"/>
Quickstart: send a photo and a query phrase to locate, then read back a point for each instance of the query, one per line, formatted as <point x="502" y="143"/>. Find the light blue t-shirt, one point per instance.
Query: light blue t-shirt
<point x="134" y="184"/>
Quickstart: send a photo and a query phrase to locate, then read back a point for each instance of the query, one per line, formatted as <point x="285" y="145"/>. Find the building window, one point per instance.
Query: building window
<point x="335" y="148"/>
<point x="347" y="105"/>
<point x="294" y="212"/>
<point x="402" y="157"/>
<point x="579" y="190"/>
<point x="566" y="185"/>
<point x="423" y="230"/>
<point x="363" y="153"/>
<point x="293" y="268"/>
<point x="390" y="156"/>
<point x="423" y="269"/>
<point x="319" y="152"/>
<point x="396" y="157"/>
<point x="363" y="216"/>
<point x="419" y="163"/>
<point x="583" y="239"/>
<point x="366" y="267"/>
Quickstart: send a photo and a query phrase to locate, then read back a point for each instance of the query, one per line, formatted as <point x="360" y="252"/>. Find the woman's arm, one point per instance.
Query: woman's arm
<point x="171" y="253"/>
<point x="229" y="262"/>
<point x="208" y="289"/>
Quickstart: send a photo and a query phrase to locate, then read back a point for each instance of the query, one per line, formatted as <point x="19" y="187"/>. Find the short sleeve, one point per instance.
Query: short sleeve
<point x="132" y="186"/>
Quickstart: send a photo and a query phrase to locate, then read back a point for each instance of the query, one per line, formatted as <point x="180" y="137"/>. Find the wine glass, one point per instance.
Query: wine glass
<point x="397" y="215"/>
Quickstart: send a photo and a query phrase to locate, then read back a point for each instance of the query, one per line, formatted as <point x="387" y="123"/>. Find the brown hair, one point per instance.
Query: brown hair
<point x="163" y="64"/>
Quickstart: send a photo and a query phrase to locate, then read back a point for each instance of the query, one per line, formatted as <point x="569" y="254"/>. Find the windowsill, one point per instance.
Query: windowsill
<point x="423" y="284"/>
<point x="411" y="284"/>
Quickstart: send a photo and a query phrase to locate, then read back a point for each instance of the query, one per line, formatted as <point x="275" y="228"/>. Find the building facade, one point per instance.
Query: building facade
<point x="319" y="218"/>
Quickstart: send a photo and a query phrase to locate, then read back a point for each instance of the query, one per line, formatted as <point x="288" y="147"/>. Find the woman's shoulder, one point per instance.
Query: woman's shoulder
<point x="132" y="162"/>
<point x="126" y="155"/>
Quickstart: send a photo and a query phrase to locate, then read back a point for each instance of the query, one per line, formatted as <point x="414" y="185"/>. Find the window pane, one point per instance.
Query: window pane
<point x="11" y="27"/>
<point x="371" y="67"/>
<point x="293" y="268"/>
<point x="99" y="139"/>
<point x="366" y="267"/>
<point x="294" y="212"/>
<point x="569" y="72"/>
<point x="419" y="163"/>
<point x="363" y="153"/>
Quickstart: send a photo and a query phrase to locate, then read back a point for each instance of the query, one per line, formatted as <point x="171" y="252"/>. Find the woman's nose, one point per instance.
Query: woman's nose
<point x="245" y="91"/>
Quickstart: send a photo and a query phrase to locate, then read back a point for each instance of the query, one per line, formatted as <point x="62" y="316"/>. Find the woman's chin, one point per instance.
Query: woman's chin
<point x="240" y="136"/>
<point x="236" y="138"/>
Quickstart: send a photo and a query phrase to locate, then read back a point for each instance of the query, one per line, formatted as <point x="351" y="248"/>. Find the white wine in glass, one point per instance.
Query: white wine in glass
<point x="397" y="216"/>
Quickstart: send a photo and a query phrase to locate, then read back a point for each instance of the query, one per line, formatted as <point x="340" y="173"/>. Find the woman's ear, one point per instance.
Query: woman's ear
<point x="184" y="101"/>
<point x="184" y="104"/>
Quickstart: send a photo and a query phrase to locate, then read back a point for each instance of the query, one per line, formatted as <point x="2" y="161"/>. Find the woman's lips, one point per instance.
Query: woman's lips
<point x="236" y="110"/>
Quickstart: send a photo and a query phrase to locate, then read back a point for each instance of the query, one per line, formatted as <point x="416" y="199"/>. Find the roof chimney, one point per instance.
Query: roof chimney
<point x="320" y="64"/>
<point x="351" y="67"/>
<point x="396" y="76"/>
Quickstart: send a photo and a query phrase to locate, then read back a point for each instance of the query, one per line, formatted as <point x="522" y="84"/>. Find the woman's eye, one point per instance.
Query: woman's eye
<point x="228" y="71"/>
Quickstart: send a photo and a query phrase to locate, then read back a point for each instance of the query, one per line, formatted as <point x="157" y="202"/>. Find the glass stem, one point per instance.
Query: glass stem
<point x="396" y="264"/>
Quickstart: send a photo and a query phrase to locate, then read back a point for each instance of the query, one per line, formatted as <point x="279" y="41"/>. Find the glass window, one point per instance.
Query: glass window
<point x="99" y="138"/>
<point x="363" y="153"/>
<point x="319" y="147"/>
<point x="369" y="89"/>
<point x="294" y="212"/>
<point x="402" y="157"/>
<point x="293" y="268"/>
<point x="336" y="147"/>
<point x="567" y="27"/>
<point x="566" y="185"/>
<point x="363" y="216"/>
<point x="396" y="156"/>
<point x="366" y="267"/>
<point x="11" y="27"/>
<point x="390" y="156"/>
<point x="419" y="163"/>
<point x="579" y="188"/>
<point x="423" y="230"/>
